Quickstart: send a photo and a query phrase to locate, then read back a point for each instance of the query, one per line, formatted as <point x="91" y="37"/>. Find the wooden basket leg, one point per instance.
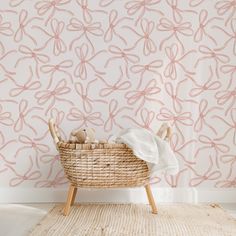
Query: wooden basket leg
<point x="73" y="197"/>
<point x="151" y="199"/>
<point x="69" y="200"/>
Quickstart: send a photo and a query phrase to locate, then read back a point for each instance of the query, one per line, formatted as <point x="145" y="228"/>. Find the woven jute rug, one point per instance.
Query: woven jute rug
<point x="136" y="219"/>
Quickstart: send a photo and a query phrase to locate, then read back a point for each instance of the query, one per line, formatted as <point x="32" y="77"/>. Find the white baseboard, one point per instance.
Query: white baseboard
<point x="135" y="195"/>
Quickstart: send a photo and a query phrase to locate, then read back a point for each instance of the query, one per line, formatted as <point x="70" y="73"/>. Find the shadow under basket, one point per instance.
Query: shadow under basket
<point x="100" y="166"/>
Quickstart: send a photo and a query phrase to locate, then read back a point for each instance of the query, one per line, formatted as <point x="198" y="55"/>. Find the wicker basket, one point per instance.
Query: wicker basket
<point x="101" y="165"/>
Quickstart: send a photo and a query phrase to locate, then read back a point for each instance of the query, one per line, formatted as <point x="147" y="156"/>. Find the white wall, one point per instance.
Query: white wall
<point x="190" y="82"/>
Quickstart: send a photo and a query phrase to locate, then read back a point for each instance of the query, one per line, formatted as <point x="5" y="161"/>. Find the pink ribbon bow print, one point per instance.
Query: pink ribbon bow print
<point x="117" y="86"/>
<point x="230" y="35"/>
<point x="177" y="12"/>
<point x="28" y="143"/>
<point x="229" y="159"/>
<point x="52" y="160"/>
<point x="86" y="11"/>
<point x="16" y="3"/>
<point x="81" y="69"/>
<point x="58" y="68"/>
<point x="59" y="180"/>
<point x="2" y="138"/>
<point x="154" y="180"/>
<point x="23" y="113"/>
<point x="3" y="170"/>
<point x="226" y="183"/>
<point x="5" y="117"/>
<point x="173" y="94"/>
<point x="105" y="3"/>
<point x="52" y="6"/>
<point x="58" y="117"/>
<point x="93" y="29"/>
<point x="146" y="94"/>
<point x="174" y="29"/>
<point x="94" y="118"/>
<point x="173" y="180"/>
<point x="203" y="112"/>
<point x="87" y="102"/>
<point x="226" y="69"/>
<point x="3" y="145"/>
<point x="54" y="95"/>
<point x="113" y="113"/>
<point x="175" y="62"/>
<point x="226" y="7"/>
<point x="211" y="144"/>
<point x="83" y="93"/>
<point x="76" y="26"/>
<point x="226" y="96"/>
<point x="28" y="86"/>
<point x="6" y="30"/>
<point x="232" y="125"/>
<point x="59" y="45"/>
<point x="147" y="28"/>
<point x="140" y="7"/>
<point x="177" y="147"/>
<point x="184" y="118"/>
<point x="146" y="116"/>
<point x="208" y="175"/>
<point x="8" y="74"/>
<point x="87" y="16"/>
<point x="176" y="101"/>
<point x="207" y="86"/>
<point x="194" y="3"/>
<point x="113" y="23"/>
<point x="23" y="22"/>
<point x="32" y="54"/>
<point x="28" y="175"/>
<point x="212" y="54"/>
<point x="203" y="22"/>
<point x="152" y="67"/>
<point x="122" y="55"/>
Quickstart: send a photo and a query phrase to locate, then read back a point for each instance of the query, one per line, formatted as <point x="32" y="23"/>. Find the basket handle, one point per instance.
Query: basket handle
<point x="165" y="132"/>
<point x="54" y="131"/>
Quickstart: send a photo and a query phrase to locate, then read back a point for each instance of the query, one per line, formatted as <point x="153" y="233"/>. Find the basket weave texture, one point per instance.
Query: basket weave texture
<point x="102" y="165"/>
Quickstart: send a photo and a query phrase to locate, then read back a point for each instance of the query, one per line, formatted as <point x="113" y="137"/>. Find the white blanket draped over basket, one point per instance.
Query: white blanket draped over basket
<point x="150" y="148"/>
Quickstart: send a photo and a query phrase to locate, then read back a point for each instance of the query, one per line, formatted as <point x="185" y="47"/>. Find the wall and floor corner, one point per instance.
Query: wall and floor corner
<point x="111" y="65"/>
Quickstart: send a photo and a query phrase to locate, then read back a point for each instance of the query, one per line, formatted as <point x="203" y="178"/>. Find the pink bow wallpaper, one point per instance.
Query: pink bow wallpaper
<point x="113" y="64"/>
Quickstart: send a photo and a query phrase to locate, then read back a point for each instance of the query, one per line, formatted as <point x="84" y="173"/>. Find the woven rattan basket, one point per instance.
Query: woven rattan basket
<point x="101" y="165"/>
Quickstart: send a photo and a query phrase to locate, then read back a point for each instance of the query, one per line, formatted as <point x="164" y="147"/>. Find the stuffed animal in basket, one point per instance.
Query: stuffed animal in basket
<point x="86" y="135"/>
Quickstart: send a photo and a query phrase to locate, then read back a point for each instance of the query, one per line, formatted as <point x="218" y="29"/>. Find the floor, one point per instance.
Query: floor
<point x="24" y="216"/>
<point x="18" y="219"/>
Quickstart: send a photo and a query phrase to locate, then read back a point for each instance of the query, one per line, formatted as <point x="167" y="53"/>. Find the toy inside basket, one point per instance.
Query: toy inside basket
<point x="101" y="165"/>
